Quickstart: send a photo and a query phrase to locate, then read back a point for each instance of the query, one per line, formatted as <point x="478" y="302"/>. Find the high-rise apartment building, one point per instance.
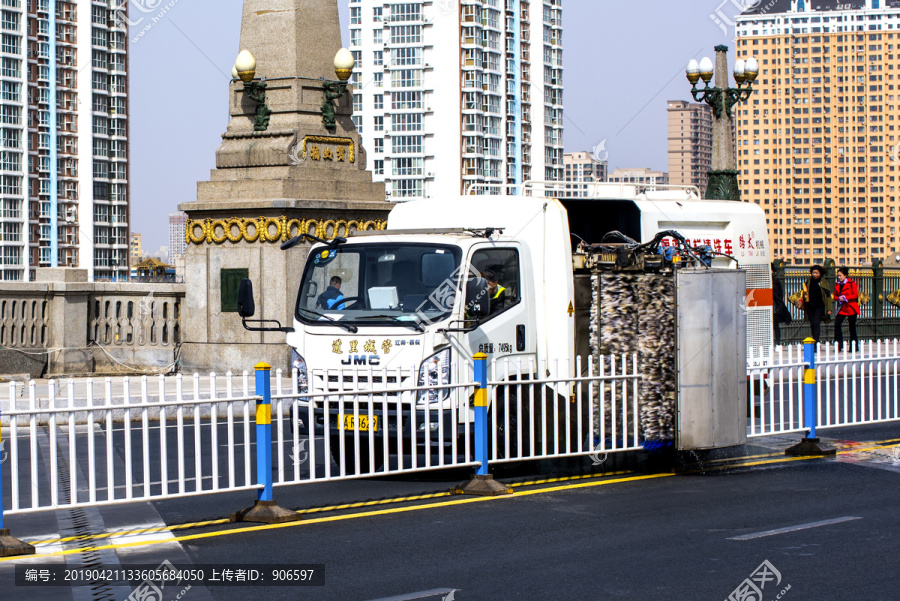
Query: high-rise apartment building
<point x="177" y="226"/>
<point x="451" y="96"/>
<point x="690" y="143"/>
<point x="136" y="250"/>
<point x="63" y="138"/>
<point x="581" y="167"/>
<point x="642" y="176"/>
<point x="817" y="142"/>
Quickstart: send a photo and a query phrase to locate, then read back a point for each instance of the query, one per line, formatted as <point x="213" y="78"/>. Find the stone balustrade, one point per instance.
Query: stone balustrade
<point x="63" y="324"/>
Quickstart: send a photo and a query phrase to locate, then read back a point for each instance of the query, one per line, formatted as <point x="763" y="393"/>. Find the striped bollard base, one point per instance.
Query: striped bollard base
<point x="265" y="510"/>
<point x="10" y="547"/>
<point x="809" y="447"/>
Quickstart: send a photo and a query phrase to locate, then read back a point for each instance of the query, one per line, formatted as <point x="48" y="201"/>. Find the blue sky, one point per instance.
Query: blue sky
<point x="623" y="60"/>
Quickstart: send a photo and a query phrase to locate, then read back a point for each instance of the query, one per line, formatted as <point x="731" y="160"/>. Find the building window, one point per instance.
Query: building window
<point x="407" y="166"/>
<point x="406" y="12"/>
<point x="406" y="56"/>
<point x="406" y="34"/>
<point x="405" y="188"/>
<point x="406" y="100"/>
<point x="379" y="167"/>
<point x="406" y="122"/>
<point x="406" y="78"/>
<point x="406" y="144"/>
<point x="379" y="101"/>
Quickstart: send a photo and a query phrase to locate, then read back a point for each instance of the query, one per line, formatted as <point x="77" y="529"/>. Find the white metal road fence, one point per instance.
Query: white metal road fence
<point x="594" y="412"/>
<point x="83" y="445"/>
<point x="105" y="441"/>
<point x="851" y="387"/>
<point x="110" y="441"/>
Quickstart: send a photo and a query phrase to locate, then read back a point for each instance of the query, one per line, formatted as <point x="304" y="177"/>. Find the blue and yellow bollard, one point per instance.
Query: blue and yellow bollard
<point x="264" y="431"/>
<point x="482" y="482"/>
<point x="809" y="445"/>
<point x="9" y="546"/>
<point x="265" y="510"/>
<point x="809" y="387"/>
<point x="481" y="417"/>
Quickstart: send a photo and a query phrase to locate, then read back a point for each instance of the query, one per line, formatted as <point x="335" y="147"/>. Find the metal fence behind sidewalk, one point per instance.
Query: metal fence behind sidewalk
<point x="880" y="316"/>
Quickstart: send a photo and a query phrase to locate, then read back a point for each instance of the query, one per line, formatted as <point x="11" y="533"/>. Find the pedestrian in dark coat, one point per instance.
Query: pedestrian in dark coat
<point x="780" y="313"/>
<point x="817" y="300"/>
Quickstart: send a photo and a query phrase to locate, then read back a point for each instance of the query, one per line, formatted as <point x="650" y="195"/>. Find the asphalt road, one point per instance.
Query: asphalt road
<point x="634" y="535"/>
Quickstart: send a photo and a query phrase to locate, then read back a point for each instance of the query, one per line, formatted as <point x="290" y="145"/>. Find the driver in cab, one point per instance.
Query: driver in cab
<point x="330" y="299"/>
<point x="496" y="292"/>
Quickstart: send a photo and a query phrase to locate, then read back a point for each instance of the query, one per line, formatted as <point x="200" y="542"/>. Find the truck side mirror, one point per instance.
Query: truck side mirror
<point x="246" y="306"/>
<point x="478" y="302"/>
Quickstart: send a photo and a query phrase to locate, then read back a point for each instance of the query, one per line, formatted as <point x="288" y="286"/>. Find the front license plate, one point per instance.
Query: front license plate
<point x="364" y="423"/>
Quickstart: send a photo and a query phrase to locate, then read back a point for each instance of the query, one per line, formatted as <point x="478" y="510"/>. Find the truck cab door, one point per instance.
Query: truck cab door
<point x="508" y="331"/>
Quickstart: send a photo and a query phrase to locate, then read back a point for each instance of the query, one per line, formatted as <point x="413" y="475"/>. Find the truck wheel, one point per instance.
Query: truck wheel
<point x="350" y="458"/>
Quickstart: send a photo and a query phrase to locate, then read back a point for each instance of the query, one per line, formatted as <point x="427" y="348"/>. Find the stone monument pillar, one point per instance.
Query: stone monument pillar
<point x="279" y="171"/>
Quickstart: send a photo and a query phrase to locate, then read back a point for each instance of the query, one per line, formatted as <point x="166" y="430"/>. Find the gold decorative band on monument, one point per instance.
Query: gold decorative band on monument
<point x="272" y="229"/>
<point x="326" y="153"/>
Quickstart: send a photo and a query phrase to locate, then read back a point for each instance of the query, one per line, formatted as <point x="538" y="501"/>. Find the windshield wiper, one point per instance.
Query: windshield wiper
<point x="412" y="324"/>
<point x="349" y="327"/>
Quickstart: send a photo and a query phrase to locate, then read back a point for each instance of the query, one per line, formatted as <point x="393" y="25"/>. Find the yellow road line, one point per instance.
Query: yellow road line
<point x="336" y="518"/>
<point x="309" y="511"/>
<point x="778" y="458"/>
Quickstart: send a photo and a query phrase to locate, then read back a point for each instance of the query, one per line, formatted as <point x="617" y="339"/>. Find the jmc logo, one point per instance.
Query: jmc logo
<point x="371" y="360"/>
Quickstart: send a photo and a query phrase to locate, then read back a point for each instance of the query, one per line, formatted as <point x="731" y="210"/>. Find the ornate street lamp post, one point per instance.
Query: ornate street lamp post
<point x="723" y="176"/>
<point x="245" y="69"/>
<point x="343" y="68"/>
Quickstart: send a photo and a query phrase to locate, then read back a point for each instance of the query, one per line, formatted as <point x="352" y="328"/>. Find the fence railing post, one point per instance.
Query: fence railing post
<point x="482" y="482"/>
<point x="809" y="445"/>
<point x="9" y="546"/>
<point x="877" y="295"/>
<point x="265" y="510"/>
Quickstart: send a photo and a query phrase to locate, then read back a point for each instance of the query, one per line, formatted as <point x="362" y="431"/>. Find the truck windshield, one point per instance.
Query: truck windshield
<point x="397" y="284"/>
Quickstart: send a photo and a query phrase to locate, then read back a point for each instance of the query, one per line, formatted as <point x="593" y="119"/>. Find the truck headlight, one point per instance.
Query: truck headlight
<point x="299" y="363"/>
<point x="435" y="371"/>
